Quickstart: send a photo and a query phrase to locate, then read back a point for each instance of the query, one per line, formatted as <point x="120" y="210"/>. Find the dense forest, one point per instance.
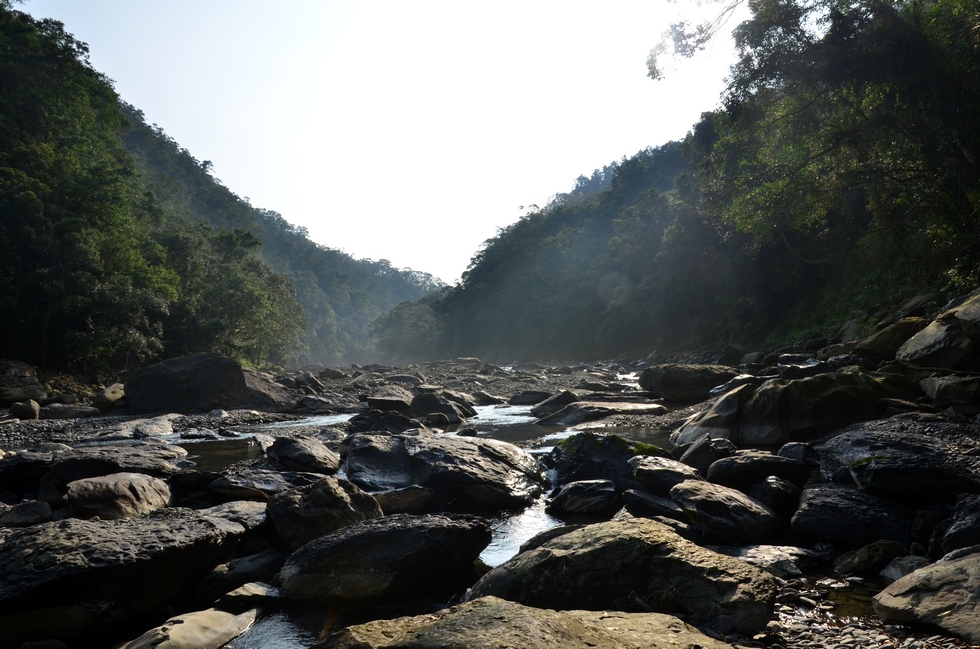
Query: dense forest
<point x="840" y="172"/>
<point x="118" y="247"/>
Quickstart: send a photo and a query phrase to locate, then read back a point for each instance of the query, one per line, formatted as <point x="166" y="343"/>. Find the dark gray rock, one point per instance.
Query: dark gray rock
<point x="18" y="382"/>
<point x="301" y="515"/>
<point x="964" y="531"/>
<point x="705" y="450"/>
<point x="387" y="559"/>
<point x="690" y="383"/>
<point x="528" y="398"/>
<point x="117" y="495"/>
<point x="657" y="475"/>
<point x="261" y="567"/>
<point x="634" y="565"/>
<point x="719" y="421"/>
<point x="885" y="343"/>
<point x="781" y="496"/>
<point x="424" y="405"/>
<point x="551" y="405"/>
<point x="32" y="512"/>
<point x="585" y="499"/>
<point x="745" y="469"/>
<point x="594" y="456"/>
<point x="260" y="484"/>
<point x="726" y="512"/>
<point x="870" y="559"/>
<point x="644" y="505"/>
<point x="850" y="519"/>
<point x="304" y="453"/>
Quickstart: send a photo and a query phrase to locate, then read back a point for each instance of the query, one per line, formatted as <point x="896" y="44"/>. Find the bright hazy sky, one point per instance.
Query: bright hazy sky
<point x="408" y="130"/>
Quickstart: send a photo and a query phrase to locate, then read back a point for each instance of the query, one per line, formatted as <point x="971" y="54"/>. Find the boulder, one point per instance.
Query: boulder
<point x="965" y="529"/>
<point x="490" y="623"/>
<point x="427" y="404"/>
<point x="304" y="453"/>
<point x="73" y="578"/>
<point x="464" y="471"/>
<point x="201" y="383"/>
<point x="110" y="398"/>
<point x="885" y="343"/>
<point x="870" y="559"/>
<point x="32" y="512"/>
<point x="407" y="500"/>
<point x="551" y="405"/>
<point x="691" y="383"/>
<point x="897" y="464"/>
<point x="726" y="512"/>
<point x="391" y="397"/>
<point x="779" y="495"/>
<point x="705" y="450"/>
<point x="850" y="519"/>
<point x="586" y="499"/>
<point x="901" y="566"/>
<point x="635" y="565"/>
<point x="66" y="411"/>
<point x="259" y="567"/>
<point x="657" y="475"/>
<point x="948" y="391"/>
<point x="528" y="398"/>
<point x="387" y="559"/>
<point x="18" y="382"/>
<point x="575" y="413"/>
<point x="117" y="495"/>
<point x="210" y="629"/>
<point x="783" y="411"/>
<point x="260" y="484"/>
<point x="719" y="421"/>
<point x="949" y="341"/>
<point x="644" y="505"/>
<point x="377" y="421"/>
<point x="945" y="594"/>
<point x="745" y="469"/>
<point x="783" y="561"/>
<point x="595" y="456"/>
<point x="29" y="409"/>
<point x="301" y="515"/>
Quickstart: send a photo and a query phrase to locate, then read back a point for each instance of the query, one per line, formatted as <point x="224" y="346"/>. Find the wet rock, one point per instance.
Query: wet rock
<point x="726" y="512"/>
<point x="425" y="405"/>
<point x="487" y="399"/>
<point x="801" y="369"/>
<point x="690" y="383"/>
<point x="490" y="622"/>
<point x="657" y="475"/>
<point x="783" y="561"/>
<point x="462" y="470"/>
<point x="781" y="496"/>
<point x="68" y="578"/>
<point x="850" y="519"/>
<point x="965" y="528"/>
<point x="25" y="409"/>
<point x="387" y="559"/>
<point x="301" y="515"/>
<point x="576" y="413"/>
<point x="945" y="594"/>
<point x="644" y="505"/>
<point x="586" y="498"/>
<point x="528" y="398"/>
<point x="948" y="391"/>
<point x="719" y="421"/>
<point x="551" y="405"/>
<point x="259" y="567"/>
<point x="378" y="421"/>
<point x="594" y="456"/>
<point x="259" y="484"/>
<point x="210" y="629"/>
<point x="635" y="565"/>
<point x="901" y="566"/>
<point x="304" y="453"/>
<point x="870" y="559"/>
<point x="407" y="500"/>
<point x="705" y="450"/>
<point x="117" y="495"/>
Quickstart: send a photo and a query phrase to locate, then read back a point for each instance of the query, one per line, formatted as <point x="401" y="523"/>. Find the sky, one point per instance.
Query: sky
<point x="392" y="129"/>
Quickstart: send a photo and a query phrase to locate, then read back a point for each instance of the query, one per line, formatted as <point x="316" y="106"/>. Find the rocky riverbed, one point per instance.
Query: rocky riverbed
<point x="825" y="497"/>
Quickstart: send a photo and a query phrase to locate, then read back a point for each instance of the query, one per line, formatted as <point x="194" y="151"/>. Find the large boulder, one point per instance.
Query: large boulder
<point x="726" y="512"/>
<point x="945" y="594"/>
<point x="745" y="469"/>
<point x="18" y="382"/>
<point x="886" y="459"/>
<point x="949" y="341"/>
<point x="202" y="383"/>
<point x="118" y="495"/>
<point x="658" y="475"/>
<point x="783" y="411"/>
<point x="575" y="413"/>
<point x="595" y="456"/>
<point x="387" y="559"/>
<point x="491" y="622"/>
<point x="719" y="421"/>
<point x="586" y="499"/>
<point x="636" y="565"/>
<point x="884" y="343"/>
<point x="678" y="382"/>
<point x="73" y="578"/>
<point x="210" y="629"/>
<point x="301" y="515"/>
<point x="850" y="519"/>
<point x="464" y="471"/>
<point x="304" y="453"/>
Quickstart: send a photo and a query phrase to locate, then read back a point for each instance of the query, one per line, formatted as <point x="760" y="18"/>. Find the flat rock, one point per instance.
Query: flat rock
<point x="635" y="565"/>
<point x="492" y="623"/>
<point x="945" y="594"/>
<point x="210" y="629"/>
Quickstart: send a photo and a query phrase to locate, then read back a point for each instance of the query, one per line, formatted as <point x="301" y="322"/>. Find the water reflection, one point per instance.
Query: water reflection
<point x="511" y="531"/>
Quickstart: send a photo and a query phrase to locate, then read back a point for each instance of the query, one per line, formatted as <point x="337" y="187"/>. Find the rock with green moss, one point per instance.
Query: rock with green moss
<point x="596" y="456"/>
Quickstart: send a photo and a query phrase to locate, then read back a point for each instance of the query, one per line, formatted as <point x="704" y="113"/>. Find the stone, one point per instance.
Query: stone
<point x="870" y="559"/>
<point x="387" y="559"/>
<point x="705" y="450"/>
<point x="657" y="475"/>
<point x="260" y="484"/>
<point x="885" y="343"/>
<point x="688" y="383"/>
<point x="726" y="512"/>
<point x="744" y="469"/>
<point x="201" y="383"/>
<point x="25" y="409"/>
<point x="965" y="528"/>
<point x="33" y="512"/>
<point x="528" y="398"/>
<point x="72" y="578"/>
<point x="117" y="495"/>
<point x="425" y="405"/>
<point x="644" y="505"/>
<point x="210" y="629"/>
<point x="719" y="421"/>
<point x="18" y="383"/>
<point x="407" y="500"/>
<point x="781" y="496"/>
<point x="259" y="567"/>
<point x="948" y="391"/>
<point x="378" y="421"/>
<point x="301" y="515"/>
<point x="595" y="456"/>
<point x="948" y="341"/>
<point x="945" y="594"/>
<point x="492" y="623"/>
<point x="783" y="561"/>
<point x="635" y="565"/>
<point x="110" y="398"/>
<point x="850" y="519"/>
<point x="576" y="413"/>
<point x="65" y="411"/>
<point x="465" y="471"/>
<point x="585" y="499"/>
<point x="551" y="405"/>
<point x="901" y="566"/>
<point x="304" y="453"/>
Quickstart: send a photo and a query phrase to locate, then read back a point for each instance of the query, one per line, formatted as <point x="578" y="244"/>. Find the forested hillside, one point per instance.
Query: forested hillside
<point x="840" y="172"/>
<point x="118" y="247"/>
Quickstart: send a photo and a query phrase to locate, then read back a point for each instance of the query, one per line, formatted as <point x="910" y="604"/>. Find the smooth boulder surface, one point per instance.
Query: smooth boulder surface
<point x="304" y="453"/>
<point x="949" y="341"/>
<point x="492" y="623"/>
<point x="636" y="565"/>
<point x="210" y="629"/>
<point x="678" y="382"/>
<point x="945" y="594"/>
<point x="301" y="515"/>
<point x="387" y="559"/>
<point x="471" y="471"/>
<point x="745" y="469"/>
<point x="595" y="456"/>
<point x="260" y="484"/>
<point x="719" y="421"/>
<point x="576" y="413"/>
<point x="657" y="475"/>
<point x="885" y="343"/>
<point x="118" y="495"/>
<point x="587" y="498"/>
<point x="726" y="512"/>
<point x="69" y="578"/>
